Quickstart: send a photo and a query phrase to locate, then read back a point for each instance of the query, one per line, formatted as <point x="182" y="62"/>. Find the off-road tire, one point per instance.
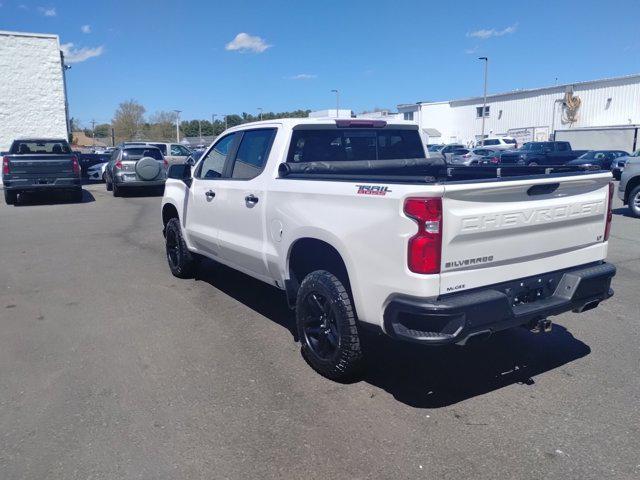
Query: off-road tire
<point x="10" y="197"/>
<point x="117" y="191"/>
<point x="634" y="202"/>
<point x="348" y="361"/>
<point x="109" y="185"/>
<point x="182" y="262"/>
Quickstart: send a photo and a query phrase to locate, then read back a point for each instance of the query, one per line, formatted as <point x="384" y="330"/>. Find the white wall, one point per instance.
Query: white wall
<point x="458" y="122"/>
<point x="32" y="97"/>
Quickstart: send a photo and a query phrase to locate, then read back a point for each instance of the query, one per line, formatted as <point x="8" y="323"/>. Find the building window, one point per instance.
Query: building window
<point x="408" y="116"/>
<point x="479" y="111"/>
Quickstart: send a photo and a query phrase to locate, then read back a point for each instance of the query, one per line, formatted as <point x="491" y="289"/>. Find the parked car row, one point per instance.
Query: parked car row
<point x="39" y="165"/>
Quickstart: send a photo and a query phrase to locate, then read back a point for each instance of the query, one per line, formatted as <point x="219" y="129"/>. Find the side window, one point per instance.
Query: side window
<point x="212" y="165"/>
<point x="184" y="151"/>
<point x="115" y="154"/>
<point x="252" y="153"/>
<point x="563" y="146"/>
<point x="175" y="150"/>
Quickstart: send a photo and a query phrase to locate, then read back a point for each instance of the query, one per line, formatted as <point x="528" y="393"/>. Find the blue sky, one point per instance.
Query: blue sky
<point x="205" y="57"/>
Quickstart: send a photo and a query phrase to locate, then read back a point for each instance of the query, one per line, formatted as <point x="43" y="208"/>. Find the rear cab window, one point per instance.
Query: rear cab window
<point x="346" y="144"/>
<point x="40" y="147"/>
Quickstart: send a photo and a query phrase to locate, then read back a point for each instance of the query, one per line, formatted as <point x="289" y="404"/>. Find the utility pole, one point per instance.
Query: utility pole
<point x="213" y="124"/>
<point x="93" y="131"/>
<point x="200" y="130"/>
<point x="337" y="102"/>
<point x="178" y="112"/>
<point x="260" y="109"/>
<point x="225" y="121"/>
<point x="484" y="104"/>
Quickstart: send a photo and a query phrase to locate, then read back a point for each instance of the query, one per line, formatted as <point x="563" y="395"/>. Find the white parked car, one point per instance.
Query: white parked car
<point x="360" y="229"/>
<point x="96" y="172"/>
<point x="500" y="143"/>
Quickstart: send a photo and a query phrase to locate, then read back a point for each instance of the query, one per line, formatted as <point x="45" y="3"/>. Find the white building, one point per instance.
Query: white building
<point x="594" y="114"/>
<point x="32" y="91"/>
<point x="332" y="113"/>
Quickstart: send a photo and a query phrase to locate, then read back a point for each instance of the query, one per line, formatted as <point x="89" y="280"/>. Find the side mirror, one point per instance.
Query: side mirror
<point x="190" y="161"/>
<point x="181" y="172"/>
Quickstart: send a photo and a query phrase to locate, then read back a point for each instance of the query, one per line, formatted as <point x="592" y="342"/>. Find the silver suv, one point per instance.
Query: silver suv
<point x="135" y="166"/>
<point x="629" y="186"/>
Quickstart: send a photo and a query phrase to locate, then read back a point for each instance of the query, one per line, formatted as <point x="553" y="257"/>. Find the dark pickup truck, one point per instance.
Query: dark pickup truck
<point x="541" y="153"/>
<point x="40" y="165"/>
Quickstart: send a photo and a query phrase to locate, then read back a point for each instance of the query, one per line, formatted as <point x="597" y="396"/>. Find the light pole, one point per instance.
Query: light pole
<point x="484" y="104"/>
<point x="337" y="102"/>
<point x="178" y="112"/>
<point x="260" y="109"/>
<point x="225" y="121"/>
<point x="200" y="130"/>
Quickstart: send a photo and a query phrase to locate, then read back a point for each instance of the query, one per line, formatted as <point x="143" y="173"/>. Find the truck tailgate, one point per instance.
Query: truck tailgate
<point x="27" y="166"/>
<point x="509" y="229"/>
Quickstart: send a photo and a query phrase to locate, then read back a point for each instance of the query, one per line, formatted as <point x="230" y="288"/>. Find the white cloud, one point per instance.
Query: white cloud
<point x="303" y="76"/>
<point x="85" y="28"/>
<point x="77" y="55"/>
<point x="247" y="43"/>
<point x="471" y="51"/>
<point x="47" y="12"/>
<point x="23" y="6"/>
<point x="484" y="33"/>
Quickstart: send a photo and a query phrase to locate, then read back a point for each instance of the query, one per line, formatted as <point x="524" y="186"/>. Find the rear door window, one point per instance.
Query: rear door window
<point x="327" y="145"/>
<point x="252" y="153"/>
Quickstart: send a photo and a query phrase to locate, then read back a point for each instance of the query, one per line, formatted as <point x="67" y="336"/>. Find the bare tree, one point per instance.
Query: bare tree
<point x="128" y="121"/>
<point x="162" y="126"/>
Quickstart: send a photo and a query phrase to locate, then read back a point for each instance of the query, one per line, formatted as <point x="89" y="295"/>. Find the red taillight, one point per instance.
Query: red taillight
<point x="5" y="165"/>
<point x="118" y="165"/>
<point x="425" y="246"/>
<point x="165" y="163"/>
<point x="607" y="228"/>
<point x="76" y="165"/>
<point x="495" y="160"/>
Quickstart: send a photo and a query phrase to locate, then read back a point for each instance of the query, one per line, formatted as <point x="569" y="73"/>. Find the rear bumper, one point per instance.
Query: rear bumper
<point x="138" y="183"/>
<point x="40" y="184"/>
<point x="457" y="317"/>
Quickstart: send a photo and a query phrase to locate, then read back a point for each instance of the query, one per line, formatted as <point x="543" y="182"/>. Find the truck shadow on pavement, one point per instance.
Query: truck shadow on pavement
<point x="423" y="377"/>
<point x="624" y="211"/>
<point x="52" y="198"/>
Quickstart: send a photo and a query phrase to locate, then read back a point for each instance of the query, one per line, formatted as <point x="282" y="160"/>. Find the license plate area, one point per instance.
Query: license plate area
<point x="530" y="289"/>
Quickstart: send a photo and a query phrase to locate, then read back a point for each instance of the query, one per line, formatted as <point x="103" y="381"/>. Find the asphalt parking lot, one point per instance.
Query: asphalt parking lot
<point x="111" y="368"/>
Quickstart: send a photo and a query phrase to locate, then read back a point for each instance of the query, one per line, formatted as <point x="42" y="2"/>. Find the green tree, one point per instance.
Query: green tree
<point x="103" y="130"/>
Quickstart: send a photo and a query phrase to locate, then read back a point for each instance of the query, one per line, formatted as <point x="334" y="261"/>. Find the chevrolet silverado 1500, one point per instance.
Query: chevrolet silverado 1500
<point x="40" y="165"/>
<point x="360" y="229"/>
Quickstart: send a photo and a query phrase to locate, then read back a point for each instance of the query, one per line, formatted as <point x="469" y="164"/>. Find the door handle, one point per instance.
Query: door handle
<point x="251" y="199"/>
<point x="210" y="194"/>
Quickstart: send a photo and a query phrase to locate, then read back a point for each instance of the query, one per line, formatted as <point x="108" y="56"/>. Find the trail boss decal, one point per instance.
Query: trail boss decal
<point x="372" y="190"/>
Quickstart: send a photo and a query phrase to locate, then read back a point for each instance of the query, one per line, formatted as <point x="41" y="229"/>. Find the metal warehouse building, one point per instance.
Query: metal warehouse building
<point x="591" y="115"/>
<point x="32" y="91"/>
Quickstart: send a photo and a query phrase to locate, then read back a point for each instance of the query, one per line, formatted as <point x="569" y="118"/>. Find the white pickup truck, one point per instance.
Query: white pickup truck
<point x="361" y="229"/>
